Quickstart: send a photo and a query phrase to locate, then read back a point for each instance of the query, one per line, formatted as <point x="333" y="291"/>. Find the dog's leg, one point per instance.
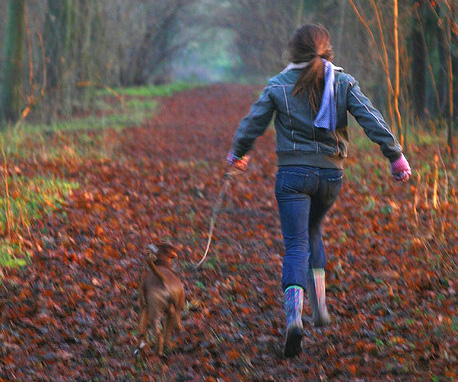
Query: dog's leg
<point x="179" y="309"/>
<point x="179" y="325"/>
<point x="169" y="324"/>
<point x="159" y="337"/>
<point x="142" y="327"/>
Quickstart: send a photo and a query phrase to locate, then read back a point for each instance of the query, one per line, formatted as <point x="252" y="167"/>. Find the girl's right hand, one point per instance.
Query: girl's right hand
<point x="237" y="162"/>
<point x="400" y="169"/>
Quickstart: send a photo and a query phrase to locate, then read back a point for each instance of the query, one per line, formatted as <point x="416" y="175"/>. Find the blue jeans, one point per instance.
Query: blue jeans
<point x="304" y="195"/>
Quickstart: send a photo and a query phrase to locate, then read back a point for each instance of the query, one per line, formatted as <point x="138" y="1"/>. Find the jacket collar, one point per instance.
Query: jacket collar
<point x="301" y="65"/>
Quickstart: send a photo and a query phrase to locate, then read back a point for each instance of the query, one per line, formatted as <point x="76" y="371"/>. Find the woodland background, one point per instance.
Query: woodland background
<point x="115" y="119"/>
<point x="69" y="45"/>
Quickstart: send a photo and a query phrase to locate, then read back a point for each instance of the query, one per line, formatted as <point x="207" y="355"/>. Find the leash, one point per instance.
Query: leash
<point x="215" y="212"/>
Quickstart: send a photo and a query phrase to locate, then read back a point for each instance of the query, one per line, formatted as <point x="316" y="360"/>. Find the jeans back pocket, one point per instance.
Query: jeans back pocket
<point x="334" y="186"/>
<point x="296" y="182"/>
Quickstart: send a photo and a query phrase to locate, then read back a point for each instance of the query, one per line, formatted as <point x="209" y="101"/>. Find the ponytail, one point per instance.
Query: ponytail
<point x="311" y="80"/>
<point x="311" y="44"/>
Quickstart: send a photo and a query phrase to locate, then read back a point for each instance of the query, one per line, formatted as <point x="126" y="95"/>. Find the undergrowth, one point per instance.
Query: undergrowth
<point x="12" y="255"/>
<point x="73" y="138"/>
<point x="92" y="135"/>
<point x="31" y="198"/>
<point x="22" y="201"/>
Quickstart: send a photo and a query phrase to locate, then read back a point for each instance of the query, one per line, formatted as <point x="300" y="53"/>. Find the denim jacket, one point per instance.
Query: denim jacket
<point x="298" y="141"/>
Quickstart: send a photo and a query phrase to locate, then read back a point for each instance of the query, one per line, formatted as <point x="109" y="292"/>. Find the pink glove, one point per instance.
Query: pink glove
<point x="400" y="169"/>
<point x="239" y="163"/>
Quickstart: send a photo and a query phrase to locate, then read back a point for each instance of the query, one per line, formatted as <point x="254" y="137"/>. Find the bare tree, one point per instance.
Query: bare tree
<point x="161" y="35"/>
<point x="396" y="70"/>
<point x="127" y="42"/>
<point x="418" y="58"/>
<point x="262" y="29"/>
<point x="13" y="51"/>
<point x="449" y="26"/>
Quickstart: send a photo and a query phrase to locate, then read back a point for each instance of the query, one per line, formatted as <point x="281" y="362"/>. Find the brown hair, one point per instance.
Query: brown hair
<point x="310" y="43"/>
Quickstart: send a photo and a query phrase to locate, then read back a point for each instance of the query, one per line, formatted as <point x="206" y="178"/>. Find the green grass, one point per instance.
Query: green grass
<point x="30" y="199"/>
<point x="50" y="141"/>
<point x="151" y="91"/>
<point x="415" y="135"/>
<point x="12" y="255"/>
<point x="114" y="121"/>
<point x="136" y="105"/>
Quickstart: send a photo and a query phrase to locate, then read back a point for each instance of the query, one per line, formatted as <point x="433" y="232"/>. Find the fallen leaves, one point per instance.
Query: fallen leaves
<point x="72" y="312"/>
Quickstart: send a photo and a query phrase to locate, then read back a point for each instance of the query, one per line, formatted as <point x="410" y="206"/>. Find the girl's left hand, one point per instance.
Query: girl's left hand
<point x="400" y="169"/>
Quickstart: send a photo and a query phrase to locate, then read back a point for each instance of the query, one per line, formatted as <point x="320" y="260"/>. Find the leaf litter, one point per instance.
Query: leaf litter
<point x="71" y="314"/>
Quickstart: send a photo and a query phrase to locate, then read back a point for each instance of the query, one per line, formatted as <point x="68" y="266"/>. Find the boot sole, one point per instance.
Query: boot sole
<point x="320" y="321"/>
<point x="320" y="324"/>
<point x="293" y="342"/>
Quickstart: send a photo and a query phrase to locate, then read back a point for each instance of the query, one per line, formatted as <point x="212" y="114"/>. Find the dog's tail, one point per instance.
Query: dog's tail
<point x="154" y="269"/>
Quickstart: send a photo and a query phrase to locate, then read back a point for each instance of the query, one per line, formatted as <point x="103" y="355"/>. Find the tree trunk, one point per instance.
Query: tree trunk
<point x="155" y="46"/>
<point x="58" y="39"/>
<point x="442" y="81"/>
<point x="13" y="52"/>
<point x="59" y="45"/>
<point x="300" y="11"/>
<point x="418" y="60"/>
<point x="340" y="35"/>
<point x="448" y="23"/>
<point x="396" y="71"/>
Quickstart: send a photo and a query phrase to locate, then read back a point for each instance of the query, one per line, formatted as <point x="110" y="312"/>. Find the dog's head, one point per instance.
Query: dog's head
<point x="162" y="252"/>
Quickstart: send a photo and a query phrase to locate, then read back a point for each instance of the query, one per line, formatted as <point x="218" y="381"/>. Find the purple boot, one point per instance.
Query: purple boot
<point x="317" y="296"/>
<point x="294" y="299"/>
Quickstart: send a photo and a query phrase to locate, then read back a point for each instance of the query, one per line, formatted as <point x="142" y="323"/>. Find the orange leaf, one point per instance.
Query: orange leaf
<point x="233" y="354"/>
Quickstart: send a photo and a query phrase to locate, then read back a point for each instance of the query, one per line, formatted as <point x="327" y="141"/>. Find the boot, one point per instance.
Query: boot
<point x="294" y="298"/>
<point x="317" y="296"/>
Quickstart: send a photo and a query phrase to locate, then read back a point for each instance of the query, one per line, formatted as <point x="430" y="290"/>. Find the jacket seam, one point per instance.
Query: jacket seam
<point x="377" y="119"/>
<point x="337" y="142"/>
<point x="289" y="116"/>
<point x="280" y="85"/>
<point x="317" y="149"/>
<point x="337" y="120"/>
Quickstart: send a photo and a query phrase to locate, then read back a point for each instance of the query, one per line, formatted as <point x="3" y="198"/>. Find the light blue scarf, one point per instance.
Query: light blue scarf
<point x="327" y="115"/>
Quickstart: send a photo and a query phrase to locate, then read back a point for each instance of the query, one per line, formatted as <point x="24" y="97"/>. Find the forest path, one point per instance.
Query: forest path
<point x="72" y="314"/>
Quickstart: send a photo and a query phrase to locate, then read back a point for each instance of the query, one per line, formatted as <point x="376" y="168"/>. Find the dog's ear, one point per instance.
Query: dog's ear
<point x="167" y="249"/>
<point x="173" y="253"/>
<point x="153" y="249"/>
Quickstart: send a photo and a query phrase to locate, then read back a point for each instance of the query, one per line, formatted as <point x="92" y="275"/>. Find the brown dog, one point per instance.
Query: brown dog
<point x="161" y="295"/>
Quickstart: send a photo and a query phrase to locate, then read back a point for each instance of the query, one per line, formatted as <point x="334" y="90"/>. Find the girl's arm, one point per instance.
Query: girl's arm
<point x="253" y="125"/>
<point x="372" y="122"/>
<point x="377" y="130"/>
